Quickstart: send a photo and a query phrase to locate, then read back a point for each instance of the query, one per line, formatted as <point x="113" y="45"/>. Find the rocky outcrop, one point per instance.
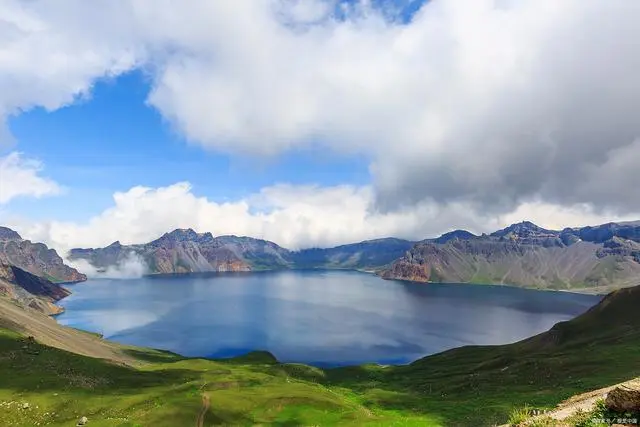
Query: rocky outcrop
<point x="29" y="290"/>
<point x="35" y="258"/>
<point x="524" y="254"/>
<point x="624" y="399"/>
<point x="185" y="251"/>
<point x="601" y="233"/>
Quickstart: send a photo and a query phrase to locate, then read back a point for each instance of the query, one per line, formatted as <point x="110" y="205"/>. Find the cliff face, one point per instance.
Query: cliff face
<point x="527" y="255"/>
<point x="35" y="258"/>
<point x="29" y="290"/>
<point x="185" y="251"/>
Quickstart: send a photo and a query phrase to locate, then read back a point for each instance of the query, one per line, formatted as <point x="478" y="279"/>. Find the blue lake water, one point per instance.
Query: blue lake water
<point x="326" y="318"/>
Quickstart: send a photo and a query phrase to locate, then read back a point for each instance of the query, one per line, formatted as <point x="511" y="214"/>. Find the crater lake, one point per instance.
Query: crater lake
<point x="323" y="318"/>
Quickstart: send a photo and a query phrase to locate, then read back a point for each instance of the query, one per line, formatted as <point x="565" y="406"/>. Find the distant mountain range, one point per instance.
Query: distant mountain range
<point x="185" y="251"/>
<point x="606" y="256"/>
<point x="600" y="258"/>
<point x="523" y="254"/>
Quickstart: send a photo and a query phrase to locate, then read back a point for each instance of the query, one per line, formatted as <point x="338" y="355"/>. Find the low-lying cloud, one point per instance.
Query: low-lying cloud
<point x="132" y="267"/>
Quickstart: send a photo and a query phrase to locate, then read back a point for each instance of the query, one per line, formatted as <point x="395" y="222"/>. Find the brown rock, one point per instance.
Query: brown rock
<point x="35" y="258"/>
<point x="624" y="399"/>
<point x="29" y="290"/>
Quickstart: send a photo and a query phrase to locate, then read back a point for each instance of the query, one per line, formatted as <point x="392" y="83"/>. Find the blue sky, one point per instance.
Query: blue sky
<point x="114" y="141"/>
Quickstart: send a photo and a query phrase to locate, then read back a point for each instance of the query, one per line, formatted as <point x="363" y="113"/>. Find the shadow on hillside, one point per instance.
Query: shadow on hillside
<point x="26" y="365"/>
<point x="485" y="383"/>
<point x="153" y="356"/>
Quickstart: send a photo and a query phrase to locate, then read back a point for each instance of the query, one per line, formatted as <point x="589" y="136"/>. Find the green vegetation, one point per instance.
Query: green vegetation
<point x="166" y="390"/>
<point x="469" y="386"/>
<point x="261" y="261"/>
<point x="180" y="265"/>
<point x="600" y="416"/>
<point x="520" y="415"/>
<point x="481" y="279"/>
<point x="435" y="277"/>
<point x="51" y="278"/>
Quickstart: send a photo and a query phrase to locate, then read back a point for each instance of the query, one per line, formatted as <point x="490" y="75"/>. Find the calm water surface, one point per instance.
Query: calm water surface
<point x="320" y="317"/>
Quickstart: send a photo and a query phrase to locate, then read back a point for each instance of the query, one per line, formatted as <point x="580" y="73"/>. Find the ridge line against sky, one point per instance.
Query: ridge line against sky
<point x="315" y="122"/>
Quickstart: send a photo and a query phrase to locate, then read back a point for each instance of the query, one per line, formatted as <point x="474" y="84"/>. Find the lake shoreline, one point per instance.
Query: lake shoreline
<point x="320" y="317"/>
<point x="597" y="291"/>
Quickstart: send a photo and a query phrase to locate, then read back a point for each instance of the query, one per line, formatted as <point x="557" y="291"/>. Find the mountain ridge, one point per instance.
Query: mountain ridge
<point x="186" y="251"/>
<point x="603" y="257"/>
<point x="29" y="290"/>
<point x="35" y="258"/>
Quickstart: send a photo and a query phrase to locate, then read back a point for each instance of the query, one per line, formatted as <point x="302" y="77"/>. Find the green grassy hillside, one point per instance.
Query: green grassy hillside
<point x="470" y="386"/>
<point x="166" y="390"/>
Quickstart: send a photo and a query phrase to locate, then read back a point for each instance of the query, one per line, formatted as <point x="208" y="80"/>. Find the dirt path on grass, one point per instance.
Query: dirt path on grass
<point x="47" y="331"/>
<point x="206" y="403"/>
<point x="581" y="402"/>
<point x="585" y="401"/>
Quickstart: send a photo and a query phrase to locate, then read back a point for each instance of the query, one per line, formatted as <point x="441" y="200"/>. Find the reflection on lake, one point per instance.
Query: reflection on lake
<point x="318" y="317"/>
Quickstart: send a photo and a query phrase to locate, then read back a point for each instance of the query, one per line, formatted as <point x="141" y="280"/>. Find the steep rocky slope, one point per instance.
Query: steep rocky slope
<point x="29" y="290"/>
<point x="603" y="257"/>
<point x="35" y="258"/>
<point x="185" y="251"/>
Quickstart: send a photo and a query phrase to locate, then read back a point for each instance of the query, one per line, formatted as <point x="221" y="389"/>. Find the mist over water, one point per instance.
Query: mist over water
<point x="131" y="267"/>
<point x="326" y="318"/>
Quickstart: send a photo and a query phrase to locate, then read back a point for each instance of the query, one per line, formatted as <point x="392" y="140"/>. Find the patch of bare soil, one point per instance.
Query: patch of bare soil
<point x="47" y="331"/>
<point x="206" y="403"/>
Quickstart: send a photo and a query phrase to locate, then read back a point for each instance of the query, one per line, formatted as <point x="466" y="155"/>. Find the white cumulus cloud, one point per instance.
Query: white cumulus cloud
<point x="20" y="176"/>
<point x="293" y="216"/>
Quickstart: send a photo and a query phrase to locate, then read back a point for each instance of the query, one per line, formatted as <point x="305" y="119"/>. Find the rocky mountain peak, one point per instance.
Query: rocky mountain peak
<point x="524" y="229"/>
<point x="455" y="234"/>
<point x="8" y="234"/>
<point x="182" y="234"/>
<point x="35" y="258"/>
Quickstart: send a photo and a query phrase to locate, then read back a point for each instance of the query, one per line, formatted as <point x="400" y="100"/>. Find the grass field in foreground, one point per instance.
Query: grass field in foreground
<point x="166" y="390"/>
<point x="470" y="386"/>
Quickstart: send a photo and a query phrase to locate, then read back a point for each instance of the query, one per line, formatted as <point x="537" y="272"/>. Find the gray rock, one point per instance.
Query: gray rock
<point x="624" y="399"/>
